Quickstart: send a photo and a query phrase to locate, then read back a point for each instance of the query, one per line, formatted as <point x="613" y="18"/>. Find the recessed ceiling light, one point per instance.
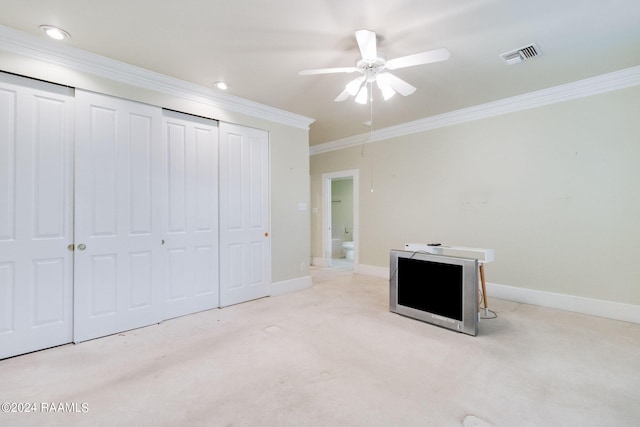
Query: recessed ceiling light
<point x="55" y="32"/>
<point x="221" y="85"/>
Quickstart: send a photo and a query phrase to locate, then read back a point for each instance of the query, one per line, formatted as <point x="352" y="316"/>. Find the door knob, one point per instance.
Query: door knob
<point x="82" y="246"/>
<point x="70" y="247"/>
<point x="266" y="234"/>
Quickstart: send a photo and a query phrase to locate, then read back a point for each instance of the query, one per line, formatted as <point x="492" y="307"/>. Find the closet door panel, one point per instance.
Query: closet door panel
<point x="119" y="254"/>
<point x="141" y="280"/>
<point x="49" y="280"/>
<point x="206" y="272"/>
<point x="7" y="307"/>
<point x="51" y="170"/>
<point x="36" y="121"/>
<point x="191" y="214"/>
<point x="141" y="176"/>
<point x="245" y="251"/>
<point x="97" y="162"/>
<point x="176" y="140"/>
<point x="8" y="125"/>
<point x="103" y="285"/>
<point x="206" y="177"/>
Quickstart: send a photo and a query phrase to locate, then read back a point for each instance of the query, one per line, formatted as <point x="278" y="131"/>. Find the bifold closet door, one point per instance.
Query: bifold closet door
<point x="245" y="249"/>
<point x="190" y="214"/>
<point x="119" y="262"/>
<point x="36" y="208"/>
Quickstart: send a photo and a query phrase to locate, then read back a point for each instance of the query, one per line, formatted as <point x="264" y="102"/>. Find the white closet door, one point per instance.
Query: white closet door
<point x="36" y="222"/>
<point x="245" y="250"/>
<point x="118" y="258"/>
<point x="190" y="214"/>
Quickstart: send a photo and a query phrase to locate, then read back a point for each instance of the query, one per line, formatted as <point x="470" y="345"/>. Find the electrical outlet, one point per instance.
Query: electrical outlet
<point x="303" y="266"/>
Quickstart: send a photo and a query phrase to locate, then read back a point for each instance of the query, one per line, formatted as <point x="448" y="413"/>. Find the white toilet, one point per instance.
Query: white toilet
<point x="348" y="250"/>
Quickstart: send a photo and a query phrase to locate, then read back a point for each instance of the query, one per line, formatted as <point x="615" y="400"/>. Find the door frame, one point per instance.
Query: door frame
<point x="354" y="174"/>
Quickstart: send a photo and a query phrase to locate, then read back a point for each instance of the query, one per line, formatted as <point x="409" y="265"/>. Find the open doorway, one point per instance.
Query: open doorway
<point x="340" y="222"/>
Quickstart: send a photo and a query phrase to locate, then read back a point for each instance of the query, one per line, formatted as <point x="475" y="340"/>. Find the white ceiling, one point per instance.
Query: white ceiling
<point x="259" y="46"/>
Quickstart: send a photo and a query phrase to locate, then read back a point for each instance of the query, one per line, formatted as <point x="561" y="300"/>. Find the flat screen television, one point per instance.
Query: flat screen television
<point x="437" y="289"/>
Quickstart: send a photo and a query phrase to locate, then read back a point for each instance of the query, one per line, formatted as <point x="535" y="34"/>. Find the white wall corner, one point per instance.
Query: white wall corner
<point x="590" y="306"/>
<point x="291" y="285"/>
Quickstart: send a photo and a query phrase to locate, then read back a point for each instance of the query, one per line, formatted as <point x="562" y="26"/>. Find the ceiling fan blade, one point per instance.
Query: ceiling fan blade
<point x="382" y="80"/>
<point x="327" y="71"/>
<point x="435" y="55"/>
<point x="367" y="43"/>
<point x="400" y="86"/>
<point x="343" y="96"/>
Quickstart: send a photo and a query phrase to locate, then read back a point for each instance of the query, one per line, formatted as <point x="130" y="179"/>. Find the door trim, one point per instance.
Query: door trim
<point x="326" y="214"/>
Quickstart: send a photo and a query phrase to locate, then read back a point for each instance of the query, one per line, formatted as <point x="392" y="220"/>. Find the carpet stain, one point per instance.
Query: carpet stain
<point x="473" y="421"/>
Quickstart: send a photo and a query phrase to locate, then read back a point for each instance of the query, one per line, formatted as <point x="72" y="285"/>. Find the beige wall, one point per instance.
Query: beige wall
<point x="554" y="190"/>
<point x="289" y="151"/>
<point x="290" y="241"/>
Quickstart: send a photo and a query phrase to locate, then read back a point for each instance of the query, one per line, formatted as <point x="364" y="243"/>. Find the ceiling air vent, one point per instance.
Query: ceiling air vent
<point x="521" y="54"/>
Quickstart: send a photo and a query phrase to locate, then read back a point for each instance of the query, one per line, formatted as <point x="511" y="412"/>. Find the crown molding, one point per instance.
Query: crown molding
<point x="582" y="88"/>
<point x="40" y="49"/>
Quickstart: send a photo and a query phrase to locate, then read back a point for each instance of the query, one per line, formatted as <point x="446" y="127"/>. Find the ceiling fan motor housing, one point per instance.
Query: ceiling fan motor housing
<point x="371" y="68"/>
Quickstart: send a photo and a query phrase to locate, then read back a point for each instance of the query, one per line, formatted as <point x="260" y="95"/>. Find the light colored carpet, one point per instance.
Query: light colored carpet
<point x="333" y="355"/>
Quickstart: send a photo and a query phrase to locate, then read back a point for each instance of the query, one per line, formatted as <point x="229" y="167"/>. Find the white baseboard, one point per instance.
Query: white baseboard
<point x="371" y="270"/>
<point x="319" y="262"/>
<point x="594" y="307"/>
<point x="292" y="285"/>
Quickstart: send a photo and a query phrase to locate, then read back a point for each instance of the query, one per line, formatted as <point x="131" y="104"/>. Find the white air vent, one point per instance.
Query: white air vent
<point x="521" y="54"/>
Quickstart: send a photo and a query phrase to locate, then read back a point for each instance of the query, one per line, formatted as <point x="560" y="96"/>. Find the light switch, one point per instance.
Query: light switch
<point x="302" y="206"/>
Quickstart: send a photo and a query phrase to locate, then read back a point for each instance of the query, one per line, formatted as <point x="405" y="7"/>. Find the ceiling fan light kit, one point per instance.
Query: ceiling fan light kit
<point x="373" y="68"/>
<point x="363" y="95"/>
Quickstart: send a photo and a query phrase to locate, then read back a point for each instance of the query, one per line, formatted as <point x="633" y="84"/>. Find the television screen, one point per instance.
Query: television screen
<point x="430" y="286"/>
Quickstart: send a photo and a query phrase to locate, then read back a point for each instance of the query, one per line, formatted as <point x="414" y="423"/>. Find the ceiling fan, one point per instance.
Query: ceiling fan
<point x="374" y="69"/>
